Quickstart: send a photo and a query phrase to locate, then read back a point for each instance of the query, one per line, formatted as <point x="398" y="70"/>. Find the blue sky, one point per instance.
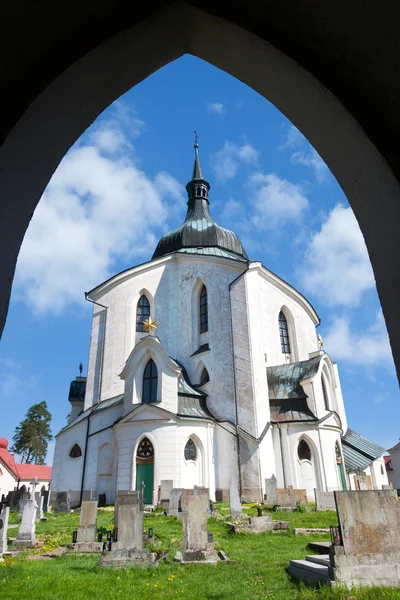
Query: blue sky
<point x="121" y="186"/>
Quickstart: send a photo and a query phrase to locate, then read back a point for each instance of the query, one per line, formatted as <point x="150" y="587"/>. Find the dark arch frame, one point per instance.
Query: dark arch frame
<point x="57" y="116"/>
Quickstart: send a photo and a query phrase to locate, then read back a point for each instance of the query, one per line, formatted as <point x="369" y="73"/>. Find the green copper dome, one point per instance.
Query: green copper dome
<point x="199" y="233"/>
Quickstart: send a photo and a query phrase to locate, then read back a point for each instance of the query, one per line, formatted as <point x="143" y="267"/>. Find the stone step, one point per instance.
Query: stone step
<point x="320" y="547"/>
<point x="320" y="559"/>
<point x="309" y="572"/>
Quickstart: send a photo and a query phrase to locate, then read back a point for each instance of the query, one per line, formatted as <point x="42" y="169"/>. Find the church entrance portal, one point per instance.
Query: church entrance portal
<point x="145" y="470"/>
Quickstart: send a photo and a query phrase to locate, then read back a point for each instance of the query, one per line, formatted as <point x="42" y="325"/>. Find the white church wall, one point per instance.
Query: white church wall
<point x="395" y="458"/>
<point x="378" y="473"/>
<point x="267" y="458"/>
<point x="276" y="438"/>
<point x="305" y="474"/>
<point x="302" y="334"/>
<point x="257" y="355"/>
<point x="7" y="480"/>
<point x="328" y="437"/>
<point x="169" y="442"/>
<point x="67" y="471"/>
<point x="339" y="398"/>
<point x="225" y="458"/>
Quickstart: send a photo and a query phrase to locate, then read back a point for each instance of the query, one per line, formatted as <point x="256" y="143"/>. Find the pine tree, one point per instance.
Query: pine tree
<point x="33" y="434"/>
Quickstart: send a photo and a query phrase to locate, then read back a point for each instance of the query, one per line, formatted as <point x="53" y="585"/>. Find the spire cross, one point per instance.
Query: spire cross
<point x="196" y="139"/>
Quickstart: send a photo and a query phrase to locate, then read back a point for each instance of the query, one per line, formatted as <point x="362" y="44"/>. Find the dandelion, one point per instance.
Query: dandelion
<point x="29" y="576"/>
<point x="155" y="585"/>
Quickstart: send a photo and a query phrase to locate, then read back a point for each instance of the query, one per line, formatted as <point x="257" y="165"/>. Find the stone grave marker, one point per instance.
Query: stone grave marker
<point x="324" y="500"/>
<point x="22" y="502"/>
<point x="26" y="534"/>
<point x="369" y="553"/>
<point x="4" y="515"/>
<point x="175" y="502"/>
<point x="123" y="497"/>
<point x="63" y="502"/>
<point x="289" y="497"/>
<point x="234" y="498"/>
<point x="128" y="549"/>
<point x="14" y="500"/>
<point x="387" y="487"/>
<point x="46" y="494"/>
<point x="88" y="495"/>
<point x="196" y="546"/>
<point x="270" y="490"/>
<point x="86" y="535"/>
<point x="39" y="510"/>
<point x="166" y="486"/>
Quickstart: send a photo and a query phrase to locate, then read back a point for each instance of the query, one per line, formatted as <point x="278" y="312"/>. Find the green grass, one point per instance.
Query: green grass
<point x="258" y="573"/>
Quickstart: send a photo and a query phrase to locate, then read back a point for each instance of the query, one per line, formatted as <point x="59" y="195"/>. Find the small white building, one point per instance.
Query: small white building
<point x="393" y="466"/>
<point x="15" y="476"/>
<point x="203" y="366"/>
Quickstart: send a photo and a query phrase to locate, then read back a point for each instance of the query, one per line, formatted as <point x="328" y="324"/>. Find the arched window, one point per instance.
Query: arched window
<point x="145" y="449"/>
<point x="205" y="378"/>
<point x="150" y="379"/>
<point x="142" y="312"/>
<point x="325" y="392"/>
<point x="76" y="451"/>
<point x="284" y="333"/>
<point x="203" y="310"/>
<point x="190" y="450"/>
<point x="304" y="451"/>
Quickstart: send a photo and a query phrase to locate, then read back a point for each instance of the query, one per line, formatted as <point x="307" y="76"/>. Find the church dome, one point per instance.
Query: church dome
<point x="3" y="443"/>
<point x="199" y="233"/>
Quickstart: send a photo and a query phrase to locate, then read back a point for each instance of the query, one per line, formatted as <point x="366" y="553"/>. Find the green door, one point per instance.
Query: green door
<point x="342" y="478"/>
<point x="145" y="472"/>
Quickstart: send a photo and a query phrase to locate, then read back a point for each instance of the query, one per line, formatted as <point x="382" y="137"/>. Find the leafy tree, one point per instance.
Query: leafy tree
<point x="33" y="434"/>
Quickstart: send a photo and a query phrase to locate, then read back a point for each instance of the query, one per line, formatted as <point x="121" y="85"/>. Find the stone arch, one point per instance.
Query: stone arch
<point x="294" y="353"/>
<point x="198" y="338"/>
<point x="59" y="115"/>
<point x="138" y="463"/>
<point x="308" y="468"/>
<point x="75" y="451"/>
<point x="193" y="470"/>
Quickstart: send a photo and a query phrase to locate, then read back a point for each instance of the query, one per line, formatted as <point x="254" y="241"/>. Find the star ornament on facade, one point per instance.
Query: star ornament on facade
<point x="150" y="325"/>
<point x="320" y="342"/>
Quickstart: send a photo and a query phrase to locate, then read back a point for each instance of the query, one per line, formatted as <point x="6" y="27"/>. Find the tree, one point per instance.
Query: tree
<point x="33" y="434"/>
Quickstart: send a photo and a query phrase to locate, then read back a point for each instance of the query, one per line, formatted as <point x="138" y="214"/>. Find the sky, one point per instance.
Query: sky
<point x="121" y="186"/>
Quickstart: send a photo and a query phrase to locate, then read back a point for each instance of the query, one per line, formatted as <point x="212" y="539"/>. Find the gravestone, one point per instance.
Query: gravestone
<point x="4" y="515"/>
<point x="122" y="498"/>
<point x="369" y="553"/>
<point x="86" y="535"/>
<point x="196" y="546"/>
<point x="166" y="486"/>
<point x="324" y="500"/>
<point x="63" y="502"/>
<point x="14" y="500"/>
<point x="289" y="497"/>
<point x="88" y="495"/>
<point x="128" y="549"/>
<point x="102" y="500"/>
<point x="387" y="487"/>
<point x="22" y="502"/>
<point x="234" y="498"/>
<point x="46" y="501"/>
<point x="39" y="502"/>
<point x="175" y="502"/>
<point x="270" y="490"/>
<point x="26" y="534"/>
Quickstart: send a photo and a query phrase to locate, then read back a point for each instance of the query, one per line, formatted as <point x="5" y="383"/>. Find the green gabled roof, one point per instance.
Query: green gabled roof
<point x="358" y="451"/>
<point x="284" y="380"/>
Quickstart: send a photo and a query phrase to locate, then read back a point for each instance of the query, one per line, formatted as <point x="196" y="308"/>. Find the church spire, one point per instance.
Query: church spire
<point x="197" y="174"/>
<point x="198" y="187"/>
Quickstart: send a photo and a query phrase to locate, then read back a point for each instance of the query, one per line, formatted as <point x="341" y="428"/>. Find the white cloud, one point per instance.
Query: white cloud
<point x="275" y="201"/>
<point x="311" y="159"/>
<point x="227" y="161"/>
<point x="10" y="364"/>
<point x="305" y="154"/>
<point x="336" y="269"/>
<point x="97" y="208"/>
<point x="216" y="108"/>
<point x="369" y="348"/>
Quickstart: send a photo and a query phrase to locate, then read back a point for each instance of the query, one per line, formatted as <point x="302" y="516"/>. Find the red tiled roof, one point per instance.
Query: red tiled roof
<point x="388" y="463"/>
<point x="42" y="472"/>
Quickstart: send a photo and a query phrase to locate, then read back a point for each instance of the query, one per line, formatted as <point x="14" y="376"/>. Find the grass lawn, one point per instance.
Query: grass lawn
<point x="259" y="570"/>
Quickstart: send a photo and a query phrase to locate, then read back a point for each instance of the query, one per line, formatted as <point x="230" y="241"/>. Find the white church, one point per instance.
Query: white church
<point x="204" y="366"/>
